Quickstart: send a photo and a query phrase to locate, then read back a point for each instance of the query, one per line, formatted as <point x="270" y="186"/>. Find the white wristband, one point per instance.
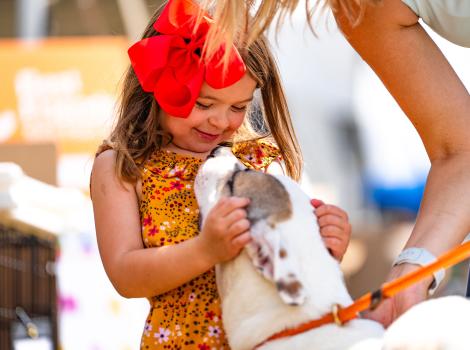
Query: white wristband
<point x="421" y="257"/>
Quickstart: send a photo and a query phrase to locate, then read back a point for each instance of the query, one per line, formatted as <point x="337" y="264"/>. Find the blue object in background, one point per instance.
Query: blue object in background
<point x="397" y="198"/>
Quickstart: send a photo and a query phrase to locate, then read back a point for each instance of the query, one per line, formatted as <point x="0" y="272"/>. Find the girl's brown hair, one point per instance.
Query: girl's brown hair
<point x="238" y="22"/>
<point x="137" y="133"/>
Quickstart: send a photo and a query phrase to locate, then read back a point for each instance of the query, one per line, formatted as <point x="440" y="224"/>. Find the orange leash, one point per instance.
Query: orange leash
<point x="341" y="315"/>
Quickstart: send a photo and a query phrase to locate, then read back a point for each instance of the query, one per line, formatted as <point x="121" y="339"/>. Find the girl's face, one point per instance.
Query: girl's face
<point x="217" y="114"/>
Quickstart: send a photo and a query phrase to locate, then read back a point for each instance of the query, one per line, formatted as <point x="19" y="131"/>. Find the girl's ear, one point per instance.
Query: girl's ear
<point x="270" y="256"/>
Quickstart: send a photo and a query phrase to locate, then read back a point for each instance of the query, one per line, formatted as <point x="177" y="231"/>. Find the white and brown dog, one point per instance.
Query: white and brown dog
<point x="286" y="276"/>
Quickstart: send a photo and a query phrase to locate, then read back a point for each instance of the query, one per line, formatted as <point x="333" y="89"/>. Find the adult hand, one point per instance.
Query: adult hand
<point x="335" y="228"/>
<point x="391" y="309"/>
<point x="226" y="230"/>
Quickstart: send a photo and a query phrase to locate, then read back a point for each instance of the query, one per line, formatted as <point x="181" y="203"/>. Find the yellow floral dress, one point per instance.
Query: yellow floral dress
<point x="188" y="317"/>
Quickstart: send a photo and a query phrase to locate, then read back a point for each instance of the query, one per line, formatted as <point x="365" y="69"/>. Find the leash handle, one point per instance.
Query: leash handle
<point x="389" y="289"/>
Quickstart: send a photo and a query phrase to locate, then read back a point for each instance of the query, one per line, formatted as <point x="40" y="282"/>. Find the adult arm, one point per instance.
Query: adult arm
<point x="136" y="271"/>
<point x="414" y="70"/>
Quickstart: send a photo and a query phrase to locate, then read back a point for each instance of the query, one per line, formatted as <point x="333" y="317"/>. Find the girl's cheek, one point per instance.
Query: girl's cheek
<point x="237" y="121"/>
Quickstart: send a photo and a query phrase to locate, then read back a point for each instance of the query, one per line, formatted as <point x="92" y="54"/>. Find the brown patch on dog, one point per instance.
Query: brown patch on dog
<point x="282" y="253"/>
<point x="291" y="288"/>
<point x="269" y="200"/>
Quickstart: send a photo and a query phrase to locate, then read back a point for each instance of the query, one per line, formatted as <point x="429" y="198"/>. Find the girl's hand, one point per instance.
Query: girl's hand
<point x="226" y="230"/>
<point x="335" y="228"/>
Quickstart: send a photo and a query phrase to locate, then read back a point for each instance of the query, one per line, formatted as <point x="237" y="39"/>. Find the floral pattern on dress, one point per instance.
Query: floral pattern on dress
<point x="187" y="317"/>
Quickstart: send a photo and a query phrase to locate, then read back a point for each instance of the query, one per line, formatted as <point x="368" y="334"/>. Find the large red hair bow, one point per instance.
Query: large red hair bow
<point x="171" y="65"/>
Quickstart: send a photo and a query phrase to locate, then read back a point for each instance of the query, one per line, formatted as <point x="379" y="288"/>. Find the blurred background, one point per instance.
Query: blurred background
<point x="61" y="62"/>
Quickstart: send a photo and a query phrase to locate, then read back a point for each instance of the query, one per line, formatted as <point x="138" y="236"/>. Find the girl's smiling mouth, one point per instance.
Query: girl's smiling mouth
<point x="207" y="136"/>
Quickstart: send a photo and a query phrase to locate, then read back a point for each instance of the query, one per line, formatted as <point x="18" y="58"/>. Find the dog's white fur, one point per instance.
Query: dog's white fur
<point x="308" y="280"/>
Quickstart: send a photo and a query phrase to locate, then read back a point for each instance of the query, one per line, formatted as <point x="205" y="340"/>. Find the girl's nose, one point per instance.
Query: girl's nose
<point x="220" y="119"/>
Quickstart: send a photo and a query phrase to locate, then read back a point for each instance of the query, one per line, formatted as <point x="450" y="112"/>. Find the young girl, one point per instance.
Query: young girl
<point x="175" y="108"/>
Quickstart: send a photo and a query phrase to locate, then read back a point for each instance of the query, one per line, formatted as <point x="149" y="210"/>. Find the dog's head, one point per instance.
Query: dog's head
<point x="224" y="175"/>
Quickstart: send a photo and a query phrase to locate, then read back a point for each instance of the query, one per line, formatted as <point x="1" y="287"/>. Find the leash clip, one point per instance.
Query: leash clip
<point x="335" y="312"/>
<point x="375" y="299"/>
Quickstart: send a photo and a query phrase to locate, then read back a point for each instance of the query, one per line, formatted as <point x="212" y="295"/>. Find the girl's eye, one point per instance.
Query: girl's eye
<point x="202" y="106"/>
<point x="239" y="109"/>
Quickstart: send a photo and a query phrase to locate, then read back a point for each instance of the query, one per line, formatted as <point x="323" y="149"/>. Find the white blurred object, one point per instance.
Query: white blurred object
<point x="440" y="323"/>
<point x="8" y="124"/>
<point x="49" y="208"/>
<point x="74" y="170"/>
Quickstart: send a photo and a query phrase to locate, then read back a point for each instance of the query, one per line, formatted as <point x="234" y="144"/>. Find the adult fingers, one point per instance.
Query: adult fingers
<point x="384" y="313"/>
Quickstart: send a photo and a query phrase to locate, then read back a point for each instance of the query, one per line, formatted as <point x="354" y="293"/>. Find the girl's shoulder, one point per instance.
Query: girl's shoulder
<point x="105" y="159"/>
<point x="257" y="154"/>
<point x="104" y="169"/>
<point x="103" y="175"/>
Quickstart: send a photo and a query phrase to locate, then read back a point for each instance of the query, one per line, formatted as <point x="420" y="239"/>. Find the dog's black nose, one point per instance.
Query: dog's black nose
<point x="214" y="152"/>
<point x="221" y="145"/>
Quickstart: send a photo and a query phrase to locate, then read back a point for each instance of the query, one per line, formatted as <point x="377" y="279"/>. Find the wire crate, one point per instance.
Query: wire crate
<point x="28" y="298"/>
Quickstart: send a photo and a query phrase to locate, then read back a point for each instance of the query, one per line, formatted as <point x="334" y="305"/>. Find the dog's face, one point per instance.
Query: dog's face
<point x="223" y="175"/>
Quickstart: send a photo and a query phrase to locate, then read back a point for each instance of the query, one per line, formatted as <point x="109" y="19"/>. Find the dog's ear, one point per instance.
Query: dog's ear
<point x="270" y="256"/>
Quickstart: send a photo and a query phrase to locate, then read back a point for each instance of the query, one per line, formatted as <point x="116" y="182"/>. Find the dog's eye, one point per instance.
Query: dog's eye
<point x="230" y="186"/>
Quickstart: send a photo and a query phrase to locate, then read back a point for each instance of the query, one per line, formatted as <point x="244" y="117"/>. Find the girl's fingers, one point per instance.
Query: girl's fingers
<point x="333" y="232"/>
<point x="241" y="240"/>
<point x="333" y="242"/>
<point x="238" y="227"/>
<point x="234" y="216"/>
<point x="335" y="247"/>
<point x="316" y="202"/>
<point x="333" y="220"/>
<point x="330" y="209"/>
<point x="228" y="204"/>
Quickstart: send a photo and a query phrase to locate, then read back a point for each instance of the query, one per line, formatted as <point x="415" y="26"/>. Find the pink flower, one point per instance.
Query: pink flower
<point x="214" y="331"/>
<point x="148" y="328"/>
<point x="162" y="335"/>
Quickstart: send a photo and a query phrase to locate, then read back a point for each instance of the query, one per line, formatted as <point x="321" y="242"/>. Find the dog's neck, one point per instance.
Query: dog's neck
<point x="246" y="293"/>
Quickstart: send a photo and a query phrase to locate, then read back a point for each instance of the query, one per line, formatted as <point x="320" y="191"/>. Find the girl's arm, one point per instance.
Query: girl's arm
<point x="138" y="272"/>
<point x="416" y="73"/>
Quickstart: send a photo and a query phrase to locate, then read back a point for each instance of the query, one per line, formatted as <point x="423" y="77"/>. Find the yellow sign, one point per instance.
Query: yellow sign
<point x="60" y="90"/>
